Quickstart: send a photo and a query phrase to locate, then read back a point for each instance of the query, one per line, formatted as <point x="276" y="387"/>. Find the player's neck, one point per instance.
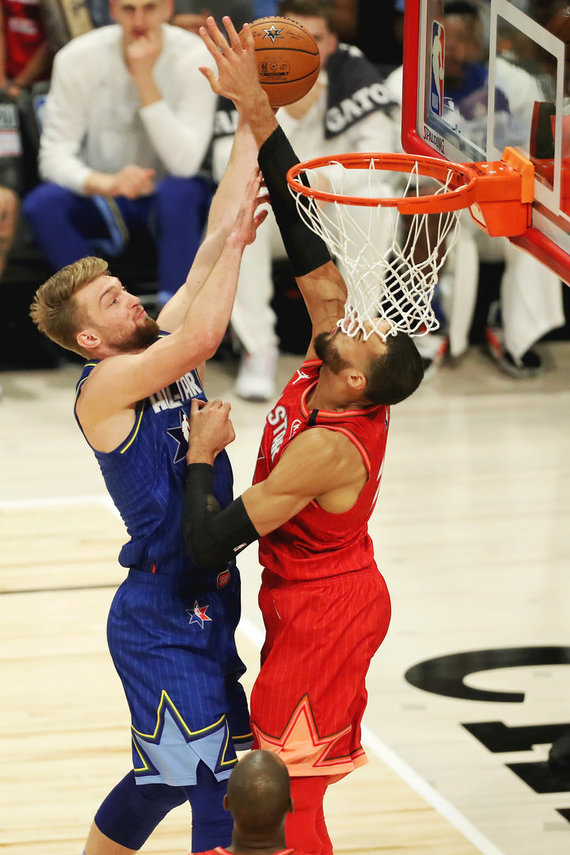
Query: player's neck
<point x="326" y="397"/>
<point x="239" y="846"/>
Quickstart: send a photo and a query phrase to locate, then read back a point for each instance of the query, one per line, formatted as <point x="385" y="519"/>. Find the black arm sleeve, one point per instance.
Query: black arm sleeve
<point x="305" y="249"/>
<point x="213" y="535"/>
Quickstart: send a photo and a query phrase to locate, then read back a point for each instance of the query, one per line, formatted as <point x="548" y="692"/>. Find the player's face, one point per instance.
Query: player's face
<point x="140" y="18"/>
<point x="339" y="350"/>
<point x="114" y="316"/>
<point x="326" y="40"/>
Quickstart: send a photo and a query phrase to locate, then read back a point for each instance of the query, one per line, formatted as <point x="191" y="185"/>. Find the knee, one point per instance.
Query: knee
<point x="131" y="812"/>
<point x="44" y="200"/>
<point x="176" y="193"/>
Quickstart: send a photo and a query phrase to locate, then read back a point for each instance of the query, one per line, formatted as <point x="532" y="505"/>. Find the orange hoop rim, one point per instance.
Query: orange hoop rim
<point x="458" y="198"/>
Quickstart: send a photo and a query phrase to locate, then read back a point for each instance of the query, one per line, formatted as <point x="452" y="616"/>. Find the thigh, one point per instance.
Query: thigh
<point x="169" y="647"/>
<point x="50" y="203"/>
<point x="320" y="640"/>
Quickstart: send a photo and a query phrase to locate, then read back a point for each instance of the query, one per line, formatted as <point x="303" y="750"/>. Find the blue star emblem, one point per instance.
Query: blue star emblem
<point x="272" y="32"/>
<point x="198" y="614"/>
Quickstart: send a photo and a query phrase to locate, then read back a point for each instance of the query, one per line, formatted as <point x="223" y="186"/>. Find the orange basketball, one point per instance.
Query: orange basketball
<point x="288" y="59"/>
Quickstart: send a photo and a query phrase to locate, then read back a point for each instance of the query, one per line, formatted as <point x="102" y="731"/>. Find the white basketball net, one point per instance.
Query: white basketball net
<point x="390" y="261"/>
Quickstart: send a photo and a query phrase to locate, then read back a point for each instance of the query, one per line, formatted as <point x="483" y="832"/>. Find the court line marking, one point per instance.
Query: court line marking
<point x="373" y="742"/>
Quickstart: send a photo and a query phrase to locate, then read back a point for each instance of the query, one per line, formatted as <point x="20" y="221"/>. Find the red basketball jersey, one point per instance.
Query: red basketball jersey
<point x="219" y="850"/>
<point x="315" y="543"/>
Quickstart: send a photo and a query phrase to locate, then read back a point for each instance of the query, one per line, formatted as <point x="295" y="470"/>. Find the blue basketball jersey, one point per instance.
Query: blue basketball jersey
<point x="171" y="624"/>
<point x="145" y="477"/>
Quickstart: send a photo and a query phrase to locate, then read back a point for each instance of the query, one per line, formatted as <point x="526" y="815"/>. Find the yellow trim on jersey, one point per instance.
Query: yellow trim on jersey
<point x="83" y="379"/>
<point x="165" y="701"/>
<point x="135" y="430"/>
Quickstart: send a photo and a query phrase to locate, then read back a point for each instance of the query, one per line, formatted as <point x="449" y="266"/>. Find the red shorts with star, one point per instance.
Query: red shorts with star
<point x="309" y="698"/>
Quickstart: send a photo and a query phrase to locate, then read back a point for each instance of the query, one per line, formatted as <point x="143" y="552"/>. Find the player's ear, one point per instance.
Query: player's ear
<point x="356" y="379"/>
<point x="87" y="340"/>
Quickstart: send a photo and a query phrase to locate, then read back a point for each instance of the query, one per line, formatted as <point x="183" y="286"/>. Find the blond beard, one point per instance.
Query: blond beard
<point x="141" y="338"/>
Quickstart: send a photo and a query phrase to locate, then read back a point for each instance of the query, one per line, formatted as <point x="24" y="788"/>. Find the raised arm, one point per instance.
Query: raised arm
<point x="223" y="211"/>
<point x="321" y="284"/>
<point x="105" y="405"/>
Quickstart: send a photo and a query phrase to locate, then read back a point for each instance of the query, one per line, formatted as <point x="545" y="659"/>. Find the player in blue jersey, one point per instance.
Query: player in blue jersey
<point x="171" y="626"/>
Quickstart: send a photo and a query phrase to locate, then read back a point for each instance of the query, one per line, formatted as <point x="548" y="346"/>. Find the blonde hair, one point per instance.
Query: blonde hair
<point x="54" y="311"/>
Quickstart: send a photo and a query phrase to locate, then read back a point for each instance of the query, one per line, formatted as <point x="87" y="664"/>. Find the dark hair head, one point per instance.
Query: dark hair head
<point x="395" y="373"/>
<point x="307" y="9"/>
<point x="259" y="793"/>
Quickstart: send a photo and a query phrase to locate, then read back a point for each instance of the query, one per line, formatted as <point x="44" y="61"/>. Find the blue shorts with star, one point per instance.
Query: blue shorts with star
<point x="173" y="646"/>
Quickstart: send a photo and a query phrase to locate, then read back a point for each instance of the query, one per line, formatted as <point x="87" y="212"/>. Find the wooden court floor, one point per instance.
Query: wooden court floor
<point x="471" y="533"/>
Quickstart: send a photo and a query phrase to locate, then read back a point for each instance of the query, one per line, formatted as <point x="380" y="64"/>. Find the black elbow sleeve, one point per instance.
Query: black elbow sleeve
<point x="305" y="249"/>
<point x="213" y="535"/>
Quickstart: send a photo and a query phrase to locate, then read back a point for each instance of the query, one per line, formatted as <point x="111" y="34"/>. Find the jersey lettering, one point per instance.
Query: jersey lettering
<point x="361" y="103"/>
<point x="176" y="394"/>
<point x="277" y="418"/>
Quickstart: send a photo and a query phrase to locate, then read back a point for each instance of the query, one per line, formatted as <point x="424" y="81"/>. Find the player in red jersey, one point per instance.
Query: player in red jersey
<point x="325" y="605"/>
<point x="259" y="799"/>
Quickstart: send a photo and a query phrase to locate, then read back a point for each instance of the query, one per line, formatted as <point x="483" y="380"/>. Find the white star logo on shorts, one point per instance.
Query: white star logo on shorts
<point x="198" y="614"/>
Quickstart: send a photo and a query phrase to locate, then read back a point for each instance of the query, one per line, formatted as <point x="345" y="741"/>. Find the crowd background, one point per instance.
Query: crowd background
<point x="31" y="33"/>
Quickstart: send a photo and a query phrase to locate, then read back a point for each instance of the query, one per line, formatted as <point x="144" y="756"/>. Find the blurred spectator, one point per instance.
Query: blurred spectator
<point x="25" y="55"/>
<point x="530" y="303"/>
<point x="65" y="21"/>
<point x="264" y="8"/>
<point x="25" y="59"/>
<point x="382" y="44"/>
<point x="335" y="116"/>
<point x="99" y="12"/>
<point x="192" y="14"/>
<point x="344" y="18"/>
<point x="9" y="210"/>
<point x="344" y="15"/>
<point x="126" y="126"/>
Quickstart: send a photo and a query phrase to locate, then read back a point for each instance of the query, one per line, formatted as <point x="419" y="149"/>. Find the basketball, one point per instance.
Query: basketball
<point x="288" y="59"/>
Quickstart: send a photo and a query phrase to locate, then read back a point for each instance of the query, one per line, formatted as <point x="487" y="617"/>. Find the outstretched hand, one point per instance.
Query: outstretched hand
<point x="251" y="215"/>
<point x="234" y="56"/>
<point x="210" y="430"/>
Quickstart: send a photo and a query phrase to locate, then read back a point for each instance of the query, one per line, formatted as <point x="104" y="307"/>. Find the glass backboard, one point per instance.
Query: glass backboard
<point x="473" y="85"/>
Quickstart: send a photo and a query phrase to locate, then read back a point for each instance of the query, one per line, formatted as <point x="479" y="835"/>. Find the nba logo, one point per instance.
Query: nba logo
<point x="437" y="61"/>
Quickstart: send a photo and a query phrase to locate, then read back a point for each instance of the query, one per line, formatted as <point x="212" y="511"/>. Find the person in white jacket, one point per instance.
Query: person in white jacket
<point x="347" y="110"/>
<point x="126" y="126"/>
